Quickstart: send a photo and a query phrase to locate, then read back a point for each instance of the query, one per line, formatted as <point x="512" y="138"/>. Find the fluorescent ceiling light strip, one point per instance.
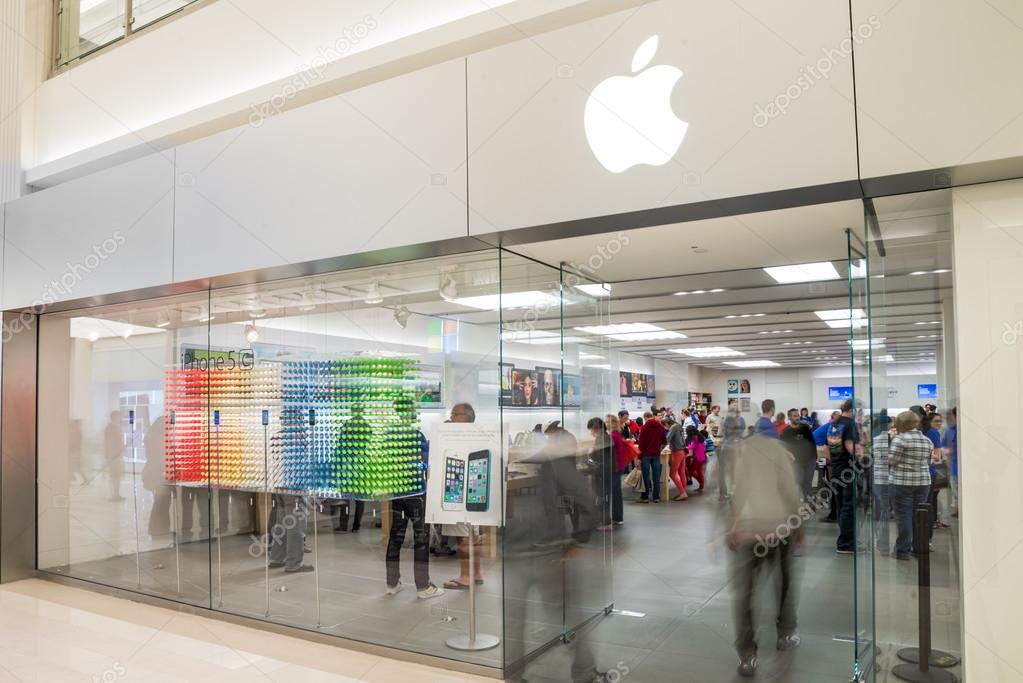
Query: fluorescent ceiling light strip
<point x="753" y="363"/>
<point x="647" y="336"/>
<point x="805" y="272"/>
<point x="708" y="352"/>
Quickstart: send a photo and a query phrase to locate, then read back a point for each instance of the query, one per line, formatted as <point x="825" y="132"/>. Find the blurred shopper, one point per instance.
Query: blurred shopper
<point x="602" y="468"/>
<point x="780" y="423"/>
<point x="820" y="439"/>
<point x="154" y="479"/>
<point x="548" y="542"/>
<point x="804" y="416"/>
<point x="677" y="464"/>
<point x="411" y="509"/>
<point x="950" y="445"/>
<point x="842" y="442"/>
<point x="882" y="490"/>
<point x="765" y="425"/>
<point x="733" y="429"/>
<point x="797" y="437"/>
<point x="630" y="430"/>
<point x="766" y="500"/>
<point x="113" y="449"/>
<point x="909" y="457"/>
<point x="938" y="469"/>
<point x="622" y="456"/>
<point x="75" y="465"/>
<point x="714" y="423"/>
<point x="287" y="535"/>
<point x="652" y="439"/>
<point x="697" y="459"/>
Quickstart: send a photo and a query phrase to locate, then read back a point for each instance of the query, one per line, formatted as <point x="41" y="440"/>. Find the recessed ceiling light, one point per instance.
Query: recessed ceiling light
<point x="865" y="343"/>
<point x="753" y="363"/>
<point x="595" y="289"/>
<point x="717" y="290"/>
<point x="699" y="291"/>
<point x="708" y="352"/>
<point x="840" y="324"/>
<point x="928" y="336"/>
<point x="841" y="314"/>
<point x="620" y="328"/>
<point x="729" y="317"/>
<point x="806" y="272"/>
<point x="527" y="299"/>
<point x="647" y="336"/>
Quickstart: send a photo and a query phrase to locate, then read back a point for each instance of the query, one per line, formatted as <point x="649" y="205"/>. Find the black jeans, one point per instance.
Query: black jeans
<point x="842" y="476"/>
<point x="404" y="510"/>
<point x="341" y="522"/>
<point x="748" y="562"/>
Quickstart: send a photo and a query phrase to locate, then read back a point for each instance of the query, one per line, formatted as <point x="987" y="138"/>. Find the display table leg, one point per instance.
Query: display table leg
<point x="665" y="465"/>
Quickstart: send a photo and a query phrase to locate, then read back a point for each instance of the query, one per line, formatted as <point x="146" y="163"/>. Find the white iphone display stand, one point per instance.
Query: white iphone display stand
<point x="466" y="487"/>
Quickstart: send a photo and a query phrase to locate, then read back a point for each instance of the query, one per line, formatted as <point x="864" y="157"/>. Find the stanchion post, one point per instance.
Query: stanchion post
<point x="919" y="669"/>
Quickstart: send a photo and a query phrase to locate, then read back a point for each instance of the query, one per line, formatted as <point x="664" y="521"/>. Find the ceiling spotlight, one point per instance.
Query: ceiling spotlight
<point x="373" y="294"/>
<point x="251" y="333"/>
<point x="308" y="301"/>
<point x="401" y="316"/>
<point x="163" y="319"/>
<point x="256" y="310"/>
<point x="447" y="285"/>
<point x="205" y="315"/>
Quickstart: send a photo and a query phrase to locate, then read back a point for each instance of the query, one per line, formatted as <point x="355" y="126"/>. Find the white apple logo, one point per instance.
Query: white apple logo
<point x="629" y="120"/>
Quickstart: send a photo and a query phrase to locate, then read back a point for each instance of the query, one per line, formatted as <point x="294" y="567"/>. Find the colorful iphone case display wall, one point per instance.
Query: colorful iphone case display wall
<point x="213" y="425"/>
<point x="334" y="428"/>
<point x="349" y="429"/>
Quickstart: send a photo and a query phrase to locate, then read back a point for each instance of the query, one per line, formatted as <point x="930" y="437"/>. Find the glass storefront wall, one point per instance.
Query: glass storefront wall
<point x="255" y="450"/>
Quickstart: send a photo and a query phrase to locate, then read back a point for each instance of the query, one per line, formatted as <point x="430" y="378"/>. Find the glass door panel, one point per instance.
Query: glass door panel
<point x="856" y="482"/>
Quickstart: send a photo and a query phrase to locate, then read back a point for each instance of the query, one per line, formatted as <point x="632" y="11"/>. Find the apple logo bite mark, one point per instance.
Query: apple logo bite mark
<point x="629" y="120"/>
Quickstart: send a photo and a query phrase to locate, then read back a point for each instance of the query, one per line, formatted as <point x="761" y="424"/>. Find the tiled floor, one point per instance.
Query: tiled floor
<point x="52" y="633"/>
<point x="669" y="563"/>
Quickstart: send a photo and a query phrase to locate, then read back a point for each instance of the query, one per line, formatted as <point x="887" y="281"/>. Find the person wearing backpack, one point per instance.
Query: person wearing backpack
<point x="842" y="440"/>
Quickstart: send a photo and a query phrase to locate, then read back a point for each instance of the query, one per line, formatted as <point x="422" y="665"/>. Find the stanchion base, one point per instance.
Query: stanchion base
<point x="482" y="642"/>
<point x="913" y="674"/>
<point x="938" y="658"/>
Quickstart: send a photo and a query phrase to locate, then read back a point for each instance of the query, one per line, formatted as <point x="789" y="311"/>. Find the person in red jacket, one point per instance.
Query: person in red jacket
<point x="652" y="439"/>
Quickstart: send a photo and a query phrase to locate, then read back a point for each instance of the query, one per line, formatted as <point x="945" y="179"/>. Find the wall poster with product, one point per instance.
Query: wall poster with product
<point x="571" y="390"/>
<point x="549" y="380"/>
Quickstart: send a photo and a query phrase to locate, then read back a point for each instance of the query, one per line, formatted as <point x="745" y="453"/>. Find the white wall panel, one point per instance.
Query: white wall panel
<point x="108" y="232"/>
<point x="938" y="83"/>
<point x="379" y="167"/>
<point x="988" y="225"/>
<point x="531" y="164"/>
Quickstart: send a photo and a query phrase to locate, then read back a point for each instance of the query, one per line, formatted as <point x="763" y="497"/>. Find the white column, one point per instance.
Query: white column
<point x="988" y="242"/>
<point x="25" y="49"/>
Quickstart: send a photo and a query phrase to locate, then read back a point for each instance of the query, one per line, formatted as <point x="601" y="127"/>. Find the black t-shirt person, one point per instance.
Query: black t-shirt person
<point x="798" y="439"/>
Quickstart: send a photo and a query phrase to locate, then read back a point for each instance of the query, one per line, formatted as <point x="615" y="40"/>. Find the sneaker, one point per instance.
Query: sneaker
<point x="618" y="523"/>
<point x="748" y="665"/>
<point x="658" y="500"/>
<point x="789" y="641"/>
<point x="301" y="569"/>
<point x="845" y="551"/>
<point x="395" y="589"/>
<point x="430" y="591"/>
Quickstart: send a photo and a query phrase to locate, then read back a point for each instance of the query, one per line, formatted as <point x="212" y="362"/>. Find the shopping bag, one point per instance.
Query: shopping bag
<point x="634" y="478"/>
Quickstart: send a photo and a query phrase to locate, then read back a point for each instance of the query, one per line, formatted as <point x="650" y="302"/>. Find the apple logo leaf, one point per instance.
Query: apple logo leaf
<point x="645" y="54"/>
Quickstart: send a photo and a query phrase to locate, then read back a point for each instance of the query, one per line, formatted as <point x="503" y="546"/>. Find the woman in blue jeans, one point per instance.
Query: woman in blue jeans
<point x="909" y="458"/>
